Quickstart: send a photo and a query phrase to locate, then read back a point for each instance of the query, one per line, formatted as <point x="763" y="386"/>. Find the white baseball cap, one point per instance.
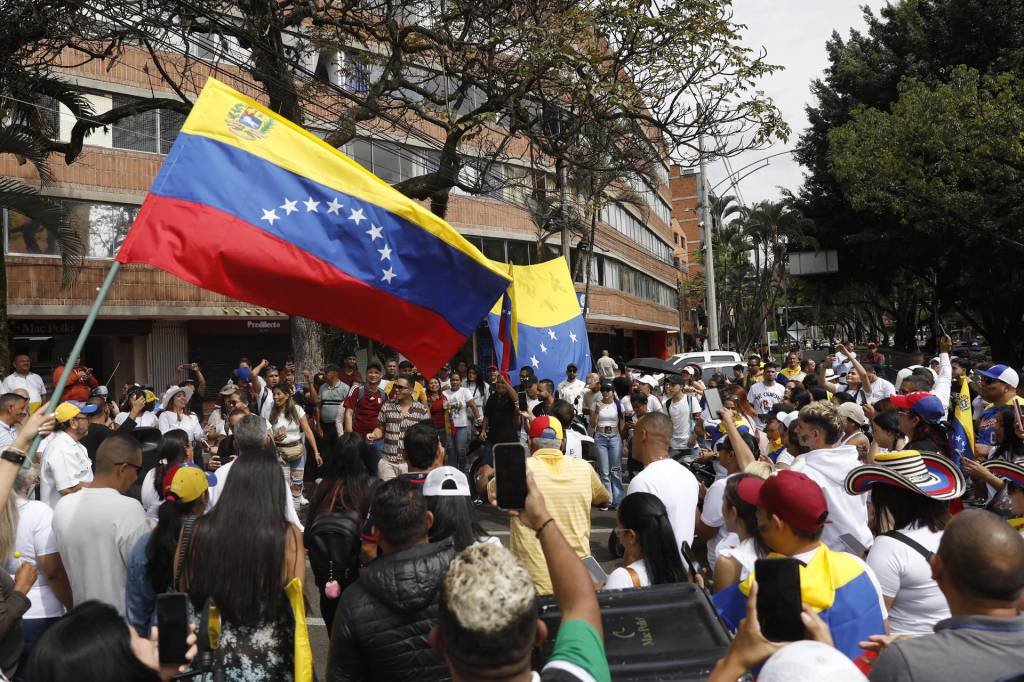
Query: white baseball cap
<point x="1002" y="373"/>
<point x="649" y="380"/>
<point x="787" y="418"/>
<point x="446" y="482"/>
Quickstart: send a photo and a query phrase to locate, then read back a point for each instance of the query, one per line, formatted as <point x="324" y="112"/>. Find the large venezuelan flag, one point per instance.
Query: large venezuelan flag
<point x="543" y="316"/>
<point x="835" y="585"/>
<point x="252" y="206"/>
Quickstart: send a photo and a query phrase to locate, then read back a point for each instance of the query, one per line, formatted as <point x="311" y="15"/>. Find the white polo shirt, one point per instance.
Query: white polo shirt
<point x="65" y="464"/>
<point x="32" y="383"/>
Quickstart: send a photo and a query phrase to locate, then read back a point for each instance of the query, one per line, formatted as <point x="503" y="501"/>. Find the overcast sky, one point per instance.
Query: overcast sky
<point x="794" y="33"/>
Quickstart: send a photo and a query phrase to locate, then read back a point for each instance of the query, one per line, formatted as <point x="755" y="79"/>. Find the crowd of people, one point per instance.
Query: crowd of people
<point x="911" y="564"/>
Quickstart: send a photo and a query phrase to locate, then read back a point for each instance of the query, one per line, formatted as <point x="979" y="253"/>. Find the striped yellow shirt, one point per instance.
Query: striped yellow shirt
<point x="570" y="487"/>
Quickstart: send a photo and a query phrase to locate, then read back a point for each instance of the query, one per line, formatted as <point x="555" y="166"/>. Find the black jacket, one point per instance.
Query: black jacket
<point x="381" y="626"/>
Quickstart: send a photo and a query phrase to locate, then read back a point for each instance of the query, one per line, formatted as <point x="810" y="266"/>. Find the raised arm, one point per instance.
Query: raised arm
<point x="865" y="382"/>
<point x="744" y="456"/>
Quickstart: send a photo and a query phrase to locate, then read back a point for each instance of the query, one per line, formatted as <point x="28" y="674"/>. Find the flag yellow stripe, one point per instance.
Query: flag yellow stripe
<point x="287" y="145"/>
<point x="543" y="295"/>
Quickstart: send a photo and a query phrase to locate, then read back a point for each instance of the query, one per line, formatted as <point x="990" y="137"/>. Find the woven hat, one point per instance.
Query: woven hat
<point x="923" y="472"/>
<point x="174" y="390"/>
<point x="1006" y="470"/>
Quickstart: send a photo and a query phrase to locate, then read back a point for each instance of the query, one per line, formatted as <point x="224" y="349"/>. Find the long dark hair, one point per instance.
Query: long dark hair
<point x="290" y="413"/>
<point x="344" y="479"/>
<point x="746" y="513"/>
<point x="935" y="434"/>
<point x="888" y="421"/>
<point x="454" y="517"/>
<point x="1011" y="447"/>
<point x="240" y="546"/>
<point x="171" y="451"/>
<point x="906" y="509"/>
<point x="163" y="541"/>
<point x="90" y="644"/>
<point x="480" y="384"/>
<point x="645" y="515"/>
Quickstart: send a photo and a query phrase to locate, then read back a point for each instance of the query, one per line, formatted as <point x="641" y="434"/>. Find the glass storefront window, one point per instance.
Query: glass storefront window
<point x="101" y="227"/>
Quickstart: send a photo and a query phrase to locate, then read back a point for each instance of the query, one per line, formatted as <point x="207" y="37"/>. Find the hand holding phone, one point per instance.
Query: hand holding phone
<point x="597" y="573"/>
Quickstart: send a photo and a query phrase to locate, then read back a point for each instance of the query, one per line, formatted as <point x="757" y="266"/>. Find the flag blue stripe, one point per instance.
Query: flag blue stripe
<point x="548" y="349"/>
<point x="427" y="271"/>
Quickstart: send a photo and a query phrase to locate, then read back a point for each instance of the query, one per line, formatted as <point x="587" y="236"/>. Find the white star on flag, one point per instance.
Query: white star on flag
<point x="551" y="333"/>
<point x="270" y="216"/>
<point x="311" y="205"/>
<point x="534" y="361"/>
<point x="543" y="348"/>
<point x="385" y="253"/>
<point x="289" y="206"/>
<point x="572" y="336"/>
<point x="375" y="232"/>
<point x="357" y="215"/>
<point x="334" y="206"/>
<point x="389" y="275"/>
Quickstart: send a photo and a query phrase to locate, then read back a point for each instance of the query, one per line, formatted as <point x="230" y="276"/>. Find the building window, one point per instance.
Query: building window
<point x="101" y="227"/>
<point x="617" y="217"/>
<point x="151" y="131"/>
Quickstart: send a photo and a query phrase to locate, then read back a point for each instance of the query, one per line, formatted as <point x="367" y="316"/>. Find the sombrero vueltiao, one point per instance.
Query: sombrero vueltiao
<point x="923" y="472"/>
<point x="1006" y="470"/>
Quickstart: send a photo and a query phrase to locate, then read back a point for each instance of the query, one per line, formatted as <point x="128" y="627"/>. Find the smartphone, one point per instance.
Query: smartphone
<point x="172" y="622"/>
<point x="854" y="544"/>
<point x="1017" y="416"/>
<point x="510" y="474"/>
<point x="778" y="599"/>
<point x="714" y="399"/>
<point x="522" y="401"/>
<point x="597" y="573"/>
<point x="690" y="559"/>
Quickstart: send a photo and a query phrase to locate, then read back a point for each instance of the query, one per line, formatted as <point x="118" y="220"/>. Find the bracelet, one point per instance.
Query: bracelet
<point x="14" y="449"/>
<point x="543" y="526"/>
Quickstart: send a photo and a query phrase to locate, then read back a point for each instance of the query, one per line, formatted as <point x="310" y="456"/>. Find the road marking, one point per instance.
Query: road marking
<point x="313" y="620"/>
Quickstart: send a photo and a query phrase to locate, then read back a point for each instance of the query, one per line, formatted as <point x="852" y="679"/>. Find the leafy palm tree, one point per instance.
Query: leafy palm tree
<point x="27" y="135"/>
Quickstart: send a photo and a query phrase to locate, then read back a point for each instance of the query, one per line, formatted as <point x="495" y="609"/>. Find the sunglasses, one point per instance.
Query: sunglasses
<point x="137" y="467"/>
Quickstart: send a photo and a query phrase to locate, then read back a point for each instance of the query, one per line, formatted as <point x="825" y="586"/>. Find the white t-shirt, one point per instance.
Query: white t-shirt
<point x="189" y="423"/>
<point x="35" y="538"/>
<point x="606" y="367"/>
<point x="904" y="574"/>
<point x="458" y="404"/>
<point x="764" y="397"/>
<point x="677" y="488"/>
<point x="683" y="414"/>
<point x="222" y="478"/>
<point x="65" y="464"/>
<point x="619" y="579"/>
<point x="292" y="428"/>
<point x="571" y="392"/>
<point x="8" y="433"/>
<point x="743" y="551"/>
<point x="712" y="516"/>
<point x="574" y="443"/>
<point x="589" y="399"/>
<point x="607" y="414"/>
<point x="146" y="420"/>
<point x="880" y="390"/>
<point x="151" y="499"/>
<point x="654" y="404"/>
<point x="96" y="529"/>
<point x="32" y="383"/>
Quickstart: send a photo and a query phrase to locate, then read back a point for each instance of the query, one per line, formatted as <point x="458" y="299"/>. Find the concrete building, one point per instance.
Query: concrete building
<point x="152" y="322"/>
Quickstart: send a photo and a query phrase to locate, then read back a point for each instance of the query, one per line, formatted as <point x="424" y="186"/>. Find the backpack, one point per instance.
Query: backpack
<point x="333" y="543"/>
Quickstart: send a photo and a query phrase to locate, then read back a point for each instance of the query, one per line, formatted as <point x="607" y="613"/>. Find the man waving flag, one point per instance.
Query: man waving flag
<point x="251" y="206"/>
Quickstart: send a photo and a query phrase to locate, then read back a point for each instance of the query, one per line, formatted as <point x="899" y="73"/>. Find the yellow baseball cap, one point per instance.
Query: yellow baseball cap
<point x="188" y="483"/>
<point x="66" y="411"/>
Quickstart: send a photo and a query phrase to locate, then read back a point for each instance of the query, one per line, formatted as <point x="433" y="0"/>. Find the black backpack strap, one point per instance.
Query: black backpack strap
<point x="911" y="543"/>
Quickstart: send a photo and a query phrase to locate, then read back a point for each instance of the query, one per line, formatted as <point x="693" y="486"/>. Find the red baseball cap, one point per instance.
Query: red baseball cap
<point x="546" y="427"/>
<point x="791" y="495"/>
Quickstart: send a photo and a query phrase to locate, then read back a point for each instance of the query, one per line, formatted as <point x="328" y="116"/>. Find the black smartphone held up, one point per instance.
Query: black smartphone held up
<point x="172" y="623"/>
<point x="778" y="599"/>
<point x="854" y="544"/>
<point x="522" y="401"/>
<point x="510" y="475"/>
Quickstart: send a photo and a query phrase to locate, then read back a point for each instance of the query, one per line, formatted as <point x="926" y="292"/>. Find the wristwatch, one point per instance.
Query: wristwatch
<point x="12" y="456"/>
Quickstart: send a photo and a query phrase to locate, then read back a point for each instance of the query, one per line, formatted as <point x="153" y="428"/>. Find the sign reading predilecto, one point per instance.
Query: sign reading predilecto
<point x="213" y="327"/>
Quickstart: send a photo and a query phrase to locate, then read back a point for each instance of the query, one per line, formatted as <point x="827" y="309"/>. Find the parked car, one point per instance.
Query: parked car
<point x="702" y="357"/>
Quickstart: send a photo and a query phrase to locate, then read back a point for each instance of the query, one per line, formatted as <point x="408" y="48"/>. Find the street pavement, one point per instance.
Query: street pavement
<point x="494" y="522"/>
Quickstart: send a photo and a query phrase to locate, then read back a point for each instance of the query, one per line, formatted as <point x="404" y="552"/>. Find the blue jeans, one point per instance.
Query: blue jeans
<point x="376" y="448"/>
<point x="609" y="463"/>
<point x="32" y="629"/>
<point x="293" y="475"/>
<point x="460" y="448"/>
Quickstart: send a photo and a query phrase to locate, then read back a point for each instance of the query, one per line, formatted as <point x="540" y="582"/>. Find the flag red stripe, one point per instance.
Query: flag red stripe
<point x="217" y="251"/>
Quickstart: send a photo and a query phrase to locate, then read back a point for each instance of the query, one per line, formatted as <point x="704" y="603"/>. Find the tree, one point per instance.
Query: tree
<point x="494" y="82"/>
<point x="947" y="160"/>
<point x="919" y="39"/>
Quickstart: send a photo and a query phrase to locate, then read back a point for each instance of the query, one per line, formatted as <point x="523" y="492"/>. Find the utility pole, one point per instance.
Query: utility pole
<point x="709" y="254"/>
<point x="563" y="213"/>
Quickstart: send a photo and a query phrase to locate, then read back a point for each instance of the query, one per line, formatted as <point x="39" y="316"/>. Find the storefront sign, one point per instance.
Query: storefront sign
<point x="38" y="327"/>
<point x="249" y="326"/>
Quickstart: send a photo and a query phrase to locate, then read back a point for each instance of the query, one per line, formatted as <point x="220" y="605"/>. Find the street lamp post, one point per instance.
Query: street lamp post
<point x="709" y="254"/>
